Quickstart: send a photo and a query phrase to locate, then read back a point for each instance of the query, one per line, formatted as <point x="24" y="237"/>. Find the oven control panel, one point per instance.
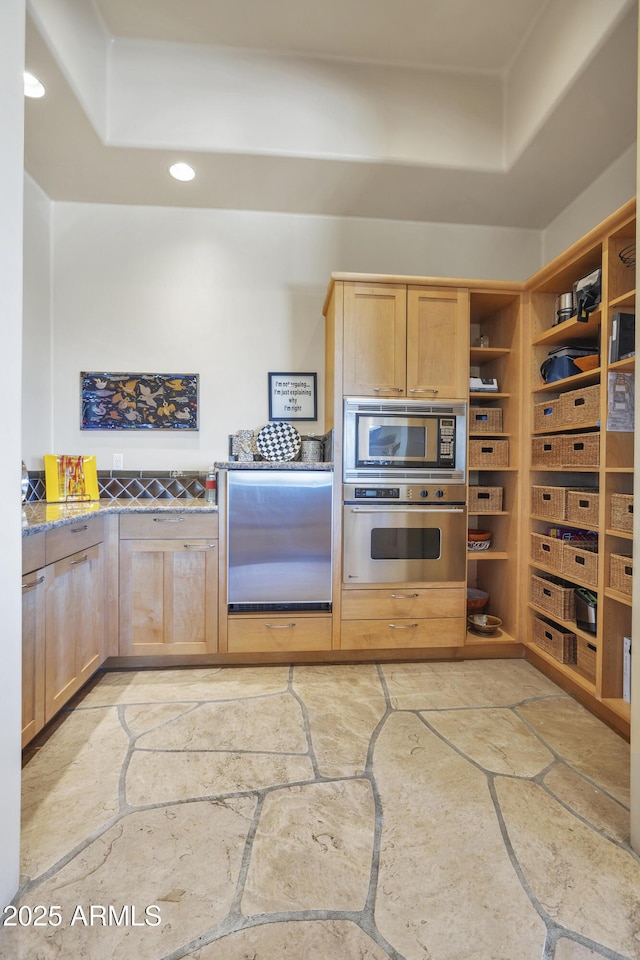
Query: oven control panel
<point x="405" y="493"/>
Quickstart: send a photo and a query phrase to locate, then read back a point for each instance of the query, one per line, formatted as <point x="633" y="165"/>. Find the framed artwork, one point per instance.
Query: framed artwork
<point x="139" y="401"/>
<point x="293" y="396"/>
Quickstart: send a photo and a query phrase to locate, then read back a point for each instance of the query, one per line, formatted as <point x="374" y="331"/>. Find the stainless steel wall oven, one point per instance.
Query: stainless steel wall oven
<point x="404" y="533"/>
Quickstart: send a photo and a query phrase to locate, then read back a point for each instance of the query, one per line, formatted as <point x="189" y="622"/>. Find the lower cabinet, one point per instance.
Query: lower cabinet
<point x="74" y="625"/>
<point x="287" y="634"/>
<point x="403" y="618"/>
<point x="63" y="616"/>
<point x="33" y="648"/>
<point x="168" y="586"/>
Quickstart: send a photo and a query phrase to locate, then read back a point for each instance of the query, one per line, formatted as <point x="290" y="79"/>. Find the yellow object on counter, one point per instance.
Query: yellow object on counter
<point x="70" y="479"/>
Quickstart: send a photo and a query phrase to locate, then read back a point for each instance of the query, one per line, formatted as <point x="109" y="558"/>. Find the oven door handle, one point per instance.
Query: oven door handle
<point x="409" y="508"/>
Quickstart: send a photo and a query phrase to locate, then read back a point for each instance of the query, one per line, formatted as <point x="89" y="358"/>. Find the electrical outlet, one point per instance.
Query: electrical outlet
<point x="118" y="461"/>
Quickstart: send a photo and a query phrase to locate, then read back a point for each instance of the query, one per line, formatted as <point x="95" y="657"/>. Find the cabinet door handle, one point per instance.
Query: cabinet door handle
<point x="79" y="560"/>
<point x="201" y="546"/>
<point x="379" y="389"/>
<point x="400" y="596"/>
<point x="403" y="626"/>
<point x="79" y="529"/>
<point x="168" y="519"/>
<point x="433" y="390"/>
<point x="279" y="626"/>
<point x="32" y="583"/>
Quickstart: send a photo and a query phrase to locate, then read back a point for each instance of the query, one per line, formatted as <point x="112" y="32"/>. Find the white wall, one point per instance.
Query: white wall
<point x="37" y="415"/>
<point x="12" y="13"/>
<point x="611" y="190"/>
<point x="229" y="295"/>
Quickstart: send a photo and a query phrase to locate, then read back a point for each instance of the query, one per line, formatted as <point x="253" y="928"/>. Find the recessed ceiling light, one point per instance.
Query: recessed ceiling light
<point x="182" y="171"/>
<point x="32" y="86"/>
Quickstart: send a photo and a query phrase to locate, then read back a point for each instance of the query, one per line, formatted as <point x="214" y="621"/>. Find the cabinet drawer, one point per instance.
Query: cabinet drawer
<point x="400" y="634"/>
<point x="390" y="604"/>
<point x="63" y="541"/>
<point x="33" y="552"/>
<point x="168" y="526"/>
<point x="273" y="634"/>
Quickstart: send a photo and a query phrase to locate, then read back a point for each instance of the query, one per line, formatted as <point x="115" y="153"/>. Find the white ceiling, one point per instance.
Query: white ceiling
<point x="492" y="112"/>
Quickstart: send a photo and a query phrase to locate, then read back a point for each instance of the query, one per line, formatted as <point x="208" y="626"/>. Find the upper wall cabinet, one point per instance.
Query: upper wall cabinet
<point x="405" y="341"/>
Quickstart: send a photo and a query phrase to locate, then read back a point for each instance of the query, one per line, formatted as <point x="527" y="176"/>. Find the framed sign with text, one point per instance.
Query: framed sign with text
<point x="293" y="396"/>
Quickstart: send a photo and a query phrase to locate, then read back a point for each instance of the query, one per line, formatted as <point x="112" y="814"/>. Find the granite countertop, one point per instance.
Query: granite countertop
<point x="39" y="516"/>
<point x="271" y="465"/>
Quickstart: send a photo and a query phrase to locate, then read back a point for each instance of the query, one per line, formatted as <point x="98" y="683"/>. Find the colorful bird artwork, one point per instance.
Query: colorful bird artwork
<point x="120" y="401"/>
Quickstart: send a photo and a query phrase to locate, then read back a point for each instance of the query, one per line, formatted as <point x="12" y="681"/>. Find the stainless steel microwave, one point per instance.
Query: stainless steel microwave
<point x="404" y="439"/>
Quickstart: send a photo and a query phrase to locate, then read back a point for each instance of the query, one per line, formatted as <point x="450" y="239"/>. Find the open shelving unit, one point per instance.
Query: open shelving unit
<point x="599" y="686"/>
<point x="495" y="314"/>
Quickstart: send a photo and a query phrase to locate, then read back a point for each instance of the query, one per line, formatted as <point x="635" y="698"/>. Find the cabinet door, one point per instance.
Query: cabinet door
<point x="33" y="640"/>
<point x="437" y="343"/>
<point x="375" y="344"/>
<point x="75" y="605"/>
<point x="168" y="597"/>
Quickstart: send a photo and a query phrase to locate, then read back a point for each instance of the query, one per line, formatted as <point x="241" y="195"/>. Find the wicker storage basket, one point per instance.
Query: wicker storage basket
<point x="582" y="406"/>
<point x="485" y="420"/>
<point x="549" y="502"/>
<point x="553" y="595"/>
<point x="582" y="450"/>
<point x="548" y="415"/>
<point x="558" y="643"/>
<point x="492" y="454"/>
<point x="547" y="551"/>
<point x="548" y="451"/>
<point x="580" y="561"/>
<point x="622" y="512"/>
<point x="586" y="654"/>
<point x="582" y="507"/>
<point x="621" y="573"/>
<point x="485" y="499"/>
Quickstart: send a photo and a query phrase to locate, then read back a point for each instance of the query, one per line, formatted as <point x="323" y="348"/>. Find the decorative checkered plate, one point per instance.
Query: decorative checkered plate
<point x="278" y="441"/>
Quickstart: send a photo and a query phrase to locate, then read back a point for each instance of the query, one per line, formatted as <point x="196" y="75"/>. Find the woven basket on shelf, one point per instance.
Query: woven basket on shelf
<point x="583" y="507"/>
<point x="621" y="573"/>
<point x="548" y="415"/>
<point x="485" y="499"/>
<point x="558" y="643"/>
<point x="554" y="595"/>
<point x="485" y="420"/>
<point x="586" y="654"/>
<point x="549" y="502"/>
<point x="580" y="561"/>
<point x="582" y="406"/>
<point x="582" y="450"/>
<point x="548" y="451"/>
<point x="488" y="453"/>
<point x="622" y="512"/>
<point x="546" y="551"/>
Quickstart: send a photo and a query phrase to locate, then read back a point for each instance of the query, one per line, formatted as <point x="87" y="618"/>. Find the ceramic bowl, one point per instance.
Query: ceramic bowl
<point x="484" y="623"/>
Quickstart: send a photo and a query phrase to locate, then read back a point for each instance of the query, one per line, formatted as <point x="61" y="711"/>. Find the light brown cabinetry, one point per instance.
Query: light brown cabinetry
<point x="168" y="584"/>
<point x="275" y="634"/>
<point x="33" y="635"/>
<point x="403" y="340"/>
<point x="74" y="625"/>
<point x="397" y="618"/>
<point x="63" y="617"/>
<point x="573" y="447"/>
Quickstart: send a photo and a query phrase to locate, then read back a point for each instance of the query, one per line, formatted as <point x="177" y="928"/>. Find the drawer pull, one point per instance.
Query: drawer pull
<point x="403" y="626"/>
<point x="32" y="583"/>
<point x="168" y="519"/>
<point x="433" y="390"/>
<point x="79" y="529"/>
<point x="279" y="626"/>
<point x="205" y="546"/>
<point x="379" y="389"/>
<point x="79" y="560"/>
<point x="401" y="596"/>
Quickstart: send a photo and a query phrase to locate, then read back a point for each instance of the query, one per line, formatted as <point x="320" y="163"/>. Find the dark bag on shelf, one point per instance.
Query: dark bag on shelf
<point x="559" y="363"/>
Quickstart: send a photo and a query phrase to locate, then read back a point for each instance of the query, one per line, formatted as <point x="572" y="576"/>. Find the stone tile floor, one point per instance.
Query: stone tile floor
<point x="422" y="811"/>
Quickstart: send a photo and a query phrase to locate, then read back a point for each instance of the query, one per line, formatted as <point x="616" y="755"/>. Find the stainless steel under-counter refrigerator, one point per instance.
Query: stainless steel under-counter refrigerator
<point x="279" y="540"/>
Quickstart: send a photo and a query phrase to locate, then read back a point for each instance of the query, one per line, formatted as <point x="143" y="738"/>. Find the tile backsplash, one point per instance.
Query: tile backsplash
<point x="139" y="484"/>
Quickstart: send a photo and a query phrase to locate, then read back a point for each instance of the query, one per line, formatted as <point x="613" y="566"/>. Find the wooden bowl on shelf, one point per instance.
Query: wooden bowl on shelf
<point x="484" y="623"/>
